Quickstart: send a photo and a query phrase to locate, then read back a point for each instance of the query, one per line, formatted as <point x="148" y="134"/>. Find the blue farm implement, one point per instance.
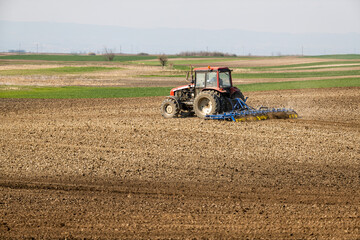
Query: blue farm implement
<point x="242" y="112"/>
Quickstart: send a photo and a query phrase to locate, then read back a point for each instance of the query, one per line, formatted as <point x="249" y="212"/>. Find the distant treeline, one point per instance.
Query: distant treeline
<point x="206" y="54"/>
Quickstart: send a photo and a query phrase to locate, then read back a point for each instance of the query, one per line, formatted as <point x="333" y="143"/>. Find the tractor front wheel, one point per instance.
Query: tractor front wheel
<point x="169" y="108"/>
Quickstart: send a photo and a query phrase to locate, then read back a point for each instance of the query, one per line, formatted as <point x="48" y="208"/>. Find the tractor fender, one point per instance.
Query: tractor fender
<point x="220" y="90"/>
<point x="234" y="90"/>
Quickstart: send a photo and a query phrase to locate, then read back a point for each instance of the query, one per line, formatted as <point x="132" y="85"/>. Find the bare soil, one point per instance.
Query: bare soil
<point x="114" y="168"/>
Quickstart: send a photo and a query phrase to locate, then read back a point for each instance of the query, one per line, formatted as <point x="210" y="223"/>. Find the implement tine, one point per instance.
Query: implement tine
<point x="247" y="113"/>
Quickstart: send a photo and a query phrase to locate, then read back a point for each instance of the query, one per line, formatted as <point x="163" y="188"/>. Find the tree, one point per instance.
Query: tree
<point x="163" y="60"/>
<point x="109" y="54"/>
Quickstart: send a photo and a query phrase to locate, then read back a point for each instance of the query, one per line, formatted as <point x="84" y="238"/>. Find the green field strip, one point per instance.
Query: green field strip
<point x="326" y="83"/>
<point x="314" y="64"/>
<point x="7" y="91"/>
<point x="80" y="92"/>
<point x="202" y="61"/>
<point x="315" y="68"/>
<point x="162" y="76"/>
<point x="54" y="71"/>
<point x="215" y="57"/>
<point x="337" y="56"/>
<point x="185" y="63"/>
<point x="297" y="74"/>
<point x="118" y="58"/>
<point x="76" y="57"/>
<point x="184" y="68"/>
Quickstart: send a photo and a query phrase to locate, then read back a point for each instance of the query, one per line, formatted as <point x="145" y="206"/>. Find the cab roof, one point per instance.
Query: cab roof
<point x="211" y="68"/>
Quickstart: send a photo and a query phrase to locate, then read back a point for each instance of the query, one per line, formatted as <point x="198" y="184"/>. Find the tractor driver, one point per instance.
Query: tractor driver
<point x="211" y="81"/>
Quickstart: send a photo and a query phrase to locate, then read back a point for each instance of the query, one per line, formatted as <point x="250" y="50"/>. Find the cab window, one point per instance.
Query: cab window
<point x="200" y="79"/>
<point x="211" y="79"/>
<point x="224" y="79"/>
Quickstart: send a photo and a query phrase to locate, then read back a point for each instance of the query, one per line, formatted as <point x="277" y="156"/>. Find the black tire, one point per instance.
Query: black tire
<point x="206" y="103"/>
<point x="238" y="95"/>
<point x="169" y="108"/>
<point x="222" y="101"/>
<point x="228" y="104"/>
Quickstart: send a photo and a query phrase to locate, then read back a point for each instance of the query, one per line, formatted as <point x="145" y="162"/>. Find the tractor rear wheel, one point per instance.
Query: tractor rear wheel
<point x="169" y="108"/>
<point x="206" y="103"/>
<point x="222" y="101"/>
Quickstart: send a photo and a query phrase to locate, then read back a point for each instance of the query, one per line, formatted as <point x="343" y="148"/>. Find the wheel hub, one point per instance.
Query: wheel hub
<point x="205" y="106"/>
<point x="168" y="109"/>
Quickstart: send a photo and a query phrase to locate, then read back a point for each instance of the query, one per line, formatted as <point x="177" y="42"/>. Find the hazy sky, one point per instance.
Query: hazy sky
<point x="294" y="16"/>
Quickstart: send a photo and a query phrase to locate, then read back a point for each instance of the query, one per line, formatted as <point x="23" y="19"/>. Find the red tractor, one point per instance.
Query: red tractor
<point x="210" y="92"/>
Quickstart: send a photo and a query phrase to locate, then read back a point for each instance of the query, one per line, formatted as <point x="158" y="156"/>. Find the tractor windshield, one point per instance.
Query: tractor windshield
<point x="206" y="79"/>
<point x="224" y="79"/>
<point x="211" y="79"/>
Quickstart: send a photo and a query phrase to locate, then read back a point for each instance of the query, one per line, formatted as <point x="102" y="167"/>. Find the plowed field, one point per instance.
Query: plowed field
<point x="114" y="168"/>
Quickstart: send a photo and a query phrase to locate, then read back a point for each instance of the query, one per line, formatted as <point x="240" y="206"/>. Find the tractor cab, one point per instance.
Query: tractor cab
<point x="213" y="78"/>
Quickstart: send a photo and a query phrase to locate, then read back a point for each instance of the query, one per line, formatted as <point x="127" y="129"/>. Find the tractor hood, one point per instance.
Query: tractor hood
<point x="172" y="92"/>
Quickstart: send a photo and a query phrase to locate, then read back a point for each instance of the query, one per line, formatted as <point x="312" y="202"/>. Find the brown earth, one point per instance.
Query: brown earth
<point x="114" y="168"/>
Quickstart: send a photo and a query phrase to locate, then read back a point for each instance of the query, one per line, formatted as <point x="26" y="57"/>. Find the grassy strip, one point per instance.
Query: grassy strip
<point x="184" y="64"/>
<point x="182" y="67"/>
<point x="315" y="68"/>
<point x="338" y="56"/>
<point x="185" y="67"/>
<point x="118" y="58"/>
<point x="314" y="64"/>
<point x="120" y="92"/>
<point x="202" y="61"/>
<point x="76" y="57"/>
<point x="81" y="92"/>
<point x="51" y="71"/>
<point x="297" y="74"/>
<point x="178" y="56"/>
<point x="156" y="76"/>
<point x="326" y="83"/>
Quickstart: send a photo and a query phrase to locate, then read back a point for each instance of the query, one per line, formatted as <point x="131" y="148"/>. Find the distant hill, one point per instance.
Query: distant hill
<point x="68" y="37"/>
